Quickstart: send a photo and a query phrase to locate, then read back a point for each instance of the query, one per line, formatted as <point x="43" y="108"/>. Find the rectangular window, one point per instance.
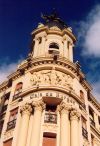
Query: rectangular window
<point x="99" y="120"/>
<point x="12" y="119"/>
<point x="84" y="128"/>
<point x="49" y="139"/>
<point x="1" y="126"/>
<point x="84" y="123"/>
<point x="8" y="142"/>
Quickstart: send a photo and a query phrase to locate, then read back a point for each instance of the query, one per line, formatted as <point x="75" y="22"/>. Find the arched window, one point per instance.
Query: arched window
<point x="18" y="88"/>
<point x="81" y="94"/>
<point x="53" y="46"/>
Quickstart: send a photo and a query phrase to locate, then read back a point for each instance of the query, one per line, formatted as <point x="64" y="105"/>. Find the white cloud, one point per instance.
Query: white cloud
<point x="96" y="90"/>
<point x="90" y="33"/>
<point x="89" y="40"/>
<point x="7" y="68"/>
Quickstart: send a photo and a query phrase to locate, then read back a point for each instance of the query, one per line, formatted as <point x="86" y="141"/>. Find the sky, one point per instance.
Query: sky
<point x="19" y="17"/>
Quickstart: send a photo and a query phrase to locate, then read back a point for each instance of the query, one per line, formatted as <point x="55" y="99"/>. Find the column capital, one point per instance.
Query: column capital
<point x="64" y="108"/>
<point x="39" y="105"/>
<point x="26" y="108"/>
<point x="86" y="143"/>
<point x="74" y="114"/>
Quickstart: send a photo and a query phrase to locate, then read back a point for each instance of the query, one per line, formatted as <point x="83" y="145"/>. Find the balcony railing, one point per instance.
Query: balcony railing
<point x="4" y="108"/>
<point x="16" y="96"/>
<point x="92" y="122"/>
<point x="50" y="117"/>
<point x="11" y="124"/>
<point x="84" y="133"/>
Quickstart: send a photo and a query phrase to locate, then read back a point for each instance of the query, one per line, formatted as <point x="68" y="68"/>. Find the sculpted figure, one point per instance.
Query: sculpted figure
<point x="53" y="76"/>
<point x="59" y="78"/>
<point x="70" y="81"/>
<point x="65" y="80"/>
<point x="47" y="76"/>
<point x="40" y="78"/>
<point x="34" y="79"/>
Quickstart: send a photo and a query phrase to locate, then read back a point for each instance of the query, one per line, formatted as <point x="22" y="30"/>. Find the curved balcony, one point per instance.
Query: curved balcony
<point x="84" y="133"/>
<point x="50" y="117"/>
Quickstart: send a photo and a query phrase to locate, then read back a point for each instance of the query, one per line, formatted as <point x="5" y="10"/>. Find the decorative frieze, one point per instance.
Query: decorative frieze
<point x="52" y="77"/>
<point x="50" y="127"/>
<point x="8" y="134"/>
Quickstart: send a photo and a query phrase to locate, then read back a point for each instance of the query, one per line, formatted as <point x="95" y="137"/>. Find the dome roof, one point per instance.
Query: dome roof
<point x="53" y="20"/>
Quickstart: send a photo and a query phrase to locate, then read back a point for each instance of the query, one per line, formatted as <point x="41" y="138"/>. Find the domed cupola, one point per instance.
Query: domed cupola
<point x="53" y="39"/>
<point x="53" y="20"/>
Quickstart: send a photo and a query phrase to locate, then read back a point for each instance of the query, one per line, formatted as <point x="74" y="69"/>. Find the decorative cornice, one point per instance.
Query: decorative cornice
<point x="95" y="131"/>
<point x="58" y="32"/>
<point x="39" y="61"/>
<point x="54" y="88"/>
<point x="93" y="100"/>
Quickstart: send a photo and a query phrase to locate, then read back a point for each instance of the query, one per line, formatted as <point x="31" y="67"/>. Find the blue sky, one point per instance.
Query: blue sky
<point x="19" y="17"/>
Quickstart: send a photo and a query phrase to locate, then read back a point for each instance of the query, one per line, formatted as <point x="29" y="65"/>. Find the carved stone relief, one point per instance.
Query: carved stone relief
<point x="50" y="127"/>
<point x="8" y="135"/>
<point x="52" y="77"/>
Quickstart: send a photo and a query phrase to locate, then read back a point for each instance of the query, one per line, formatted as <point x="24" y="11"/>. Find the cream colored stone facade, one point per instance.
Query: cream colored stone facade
<point x="48" y="95"/>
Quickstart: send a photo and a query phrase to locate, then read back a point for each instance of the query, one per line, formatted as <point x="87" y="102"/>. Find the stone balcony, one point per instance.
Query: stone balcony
<point x="50" y="117"/>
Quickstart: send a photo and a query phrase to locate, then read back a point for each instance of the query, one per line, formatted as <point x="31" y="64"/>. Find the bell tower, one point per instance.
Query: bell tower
<point x="53" y="38"/>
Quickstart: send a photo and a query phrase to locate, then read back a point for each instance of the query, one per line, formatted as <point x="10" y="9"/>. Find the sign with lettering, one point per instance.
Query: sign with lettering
<point x="52" y="94"/>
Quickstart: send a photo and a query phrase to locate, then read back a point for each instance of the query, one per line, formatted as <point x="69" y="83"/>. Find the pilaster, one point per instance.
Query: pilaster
<point x="25" y="111"/>
<point x="74" y="117"/>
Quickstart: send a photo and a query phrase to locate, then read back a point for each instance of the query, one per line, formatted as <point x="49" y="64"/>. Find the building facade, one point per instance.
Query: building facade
<point x="47" y="100"/>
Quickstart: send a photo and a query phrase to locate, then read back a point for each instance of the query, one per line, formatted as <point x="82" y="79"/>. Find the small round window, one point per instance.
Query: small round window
<point x="53" y="45"/>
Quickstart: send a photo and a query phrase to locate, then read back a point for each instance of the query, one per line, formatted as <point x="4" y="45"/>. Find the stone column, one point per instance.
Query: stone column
<point x="25" y="111"/>
<point x="38" y="109"/>
<point x="71" y="52"/>
<point x="65" y="51"/>
<point x="74" y="117"/>
<point x="43" y="51"/>
<point x="96" y="121"/>
<point x="64" y="124"/>
<point x="36" y="47"/>
<point x="17" y="129"/>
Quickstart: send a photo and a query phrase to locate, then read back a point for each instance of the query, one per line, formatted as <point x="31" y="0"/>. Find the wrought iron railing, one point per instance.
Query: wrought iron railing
<point x="4" y="108"/>
<point x="16" y="96"/>
<point x="84" y="133"/>
<point x="92" y="122"/>
<point x="11" y="124"/>
<point x="50" y="117"/>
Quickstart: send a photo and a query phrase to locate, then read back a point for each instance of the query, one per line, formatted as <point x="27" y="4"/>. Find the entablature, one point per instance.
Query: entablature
<point x="52" y="31"/>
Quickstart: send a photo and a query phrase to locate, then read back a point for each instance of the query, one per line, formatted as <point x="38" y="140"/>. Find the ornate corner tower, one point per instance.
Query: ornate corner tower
<point x="47" y="101"/>
<point x="53" y="39"/>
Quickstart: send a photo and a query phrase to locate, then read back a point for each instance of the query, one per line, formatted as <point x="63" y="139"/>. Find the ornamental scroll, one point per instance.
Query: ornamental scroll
<point x="52" y="77"/>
